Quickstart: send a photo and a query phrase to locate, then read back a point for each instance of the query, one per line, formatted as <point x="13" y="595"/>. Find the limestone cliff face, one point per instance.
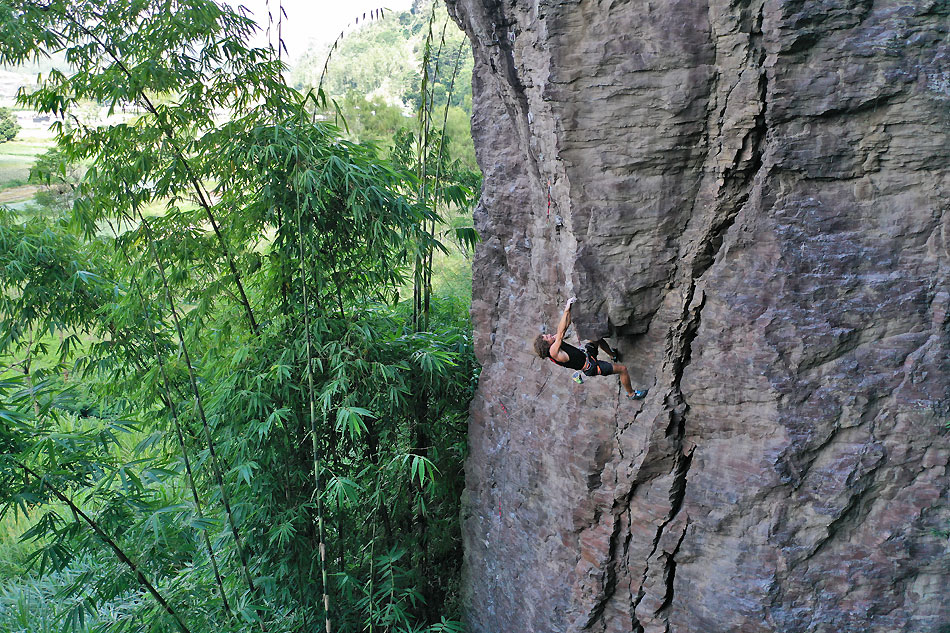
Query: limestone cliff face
<point x="752" y="197"/>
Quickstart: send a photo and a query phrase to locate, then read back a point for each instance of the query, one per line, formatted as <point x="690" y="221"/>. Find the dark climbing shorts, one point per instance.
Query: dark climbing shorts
<point x="596" y="367"/>
<point x="599" y="368"/>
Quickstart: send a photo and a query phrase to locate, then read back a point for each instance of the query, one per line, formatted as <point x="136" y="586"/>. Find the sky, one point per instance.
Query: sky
<point x="314" y="21"/>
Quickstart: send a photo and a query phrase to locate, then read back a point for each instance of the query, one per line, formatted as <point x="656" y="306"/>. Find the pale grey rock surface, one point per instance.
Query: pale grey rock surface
<point x="755" y="199"/>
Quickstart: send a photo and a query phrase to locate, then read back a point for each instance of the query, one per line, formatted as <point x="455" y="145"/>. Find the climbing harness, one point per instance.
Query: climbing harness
<point x="587" y="363"/>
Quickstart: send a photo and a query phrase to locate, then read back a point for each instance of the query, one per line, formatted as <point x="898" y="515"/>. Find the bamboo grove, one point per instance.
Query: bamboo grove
<point x="229" y="399"/>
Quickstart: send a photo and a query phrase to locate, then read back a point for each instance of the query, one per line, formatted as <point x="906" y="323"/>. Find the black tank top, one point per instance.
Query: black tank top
<point x="577" y="358"/>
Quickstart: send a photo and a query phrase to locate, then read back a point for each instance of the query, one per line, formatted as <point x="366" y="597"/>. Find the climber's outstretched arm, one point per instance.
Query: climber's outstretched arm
<point x="562" y="328"/>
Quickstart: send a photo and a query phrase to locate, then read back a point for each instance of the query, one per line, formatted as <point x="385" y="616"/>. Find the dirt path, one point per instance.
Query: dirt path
<point x="18" y="194"/>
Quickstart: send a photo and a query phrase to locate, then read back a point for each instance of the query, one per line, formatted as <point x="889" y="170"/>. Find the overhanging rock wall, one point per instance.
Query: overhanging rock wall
<point x="753" y="198"/>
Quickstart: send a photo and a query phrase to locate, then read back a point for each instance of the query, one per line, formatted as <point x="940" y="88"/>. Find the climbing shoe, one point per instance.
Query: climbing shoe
<point x="639" y="394"/>
<point x="578" y="377"/>
<point x="614" y="356"/>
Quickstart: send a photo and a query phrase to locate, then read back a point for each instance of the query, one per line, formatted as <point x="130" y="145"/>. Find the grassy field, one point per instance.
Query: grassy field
<point x="16" y="158"/>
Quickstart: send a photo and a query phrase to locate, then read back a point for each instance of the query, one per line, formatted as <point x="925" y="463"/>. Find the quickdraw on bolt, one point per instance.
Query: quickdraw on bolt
<point x="549" y="198"/>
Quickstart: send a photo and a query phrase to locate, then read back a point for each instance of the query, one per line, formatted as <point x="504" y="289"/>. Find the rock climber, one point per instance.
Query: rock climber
<point x="583" y="361"/>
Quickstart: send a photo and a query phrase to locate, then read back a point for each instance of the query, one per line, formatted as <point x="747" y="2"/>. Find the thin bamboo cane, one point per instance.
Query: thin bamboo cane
<point x="439" y="156"/>
<point x="184" y="452"/>
<point x="318" y="490"/>
<point x="180" y="435"/>
<point x="377" y="14"/>
<point x="422" y="145"/>
<point x="215" y="463"/>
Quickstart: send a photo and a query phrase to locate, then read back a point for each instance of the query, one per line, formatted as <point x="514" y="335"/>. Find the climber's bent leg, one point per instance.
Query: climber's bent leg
<point x="612" y="354"/>
<point x="621" y="371"/>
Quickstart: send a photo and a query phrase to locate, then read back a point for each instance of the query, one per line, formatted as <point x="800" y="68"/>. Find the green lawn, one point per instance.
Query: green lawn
<point x="16" y="158"/>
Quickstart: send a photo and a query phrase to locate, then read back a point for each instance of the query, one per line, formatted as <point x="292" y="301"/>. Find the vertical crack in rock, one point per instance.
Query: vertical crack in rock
<point x="734" y="190"/>
<point x="499" y="30"/>
<point x="737" y="179"/>
<point x="736" y="186"/>
<point x="610" y="574"/>
<point x="618" y="552"/>
<point x="669" y="574"/>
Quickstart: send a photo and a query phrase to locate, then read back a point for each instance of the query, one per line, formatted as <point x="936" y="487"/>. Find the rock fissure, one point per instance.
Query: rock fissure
<point x="670" y="574"/>
<point x="641" y="590"/>
<point x="610" y="581"/>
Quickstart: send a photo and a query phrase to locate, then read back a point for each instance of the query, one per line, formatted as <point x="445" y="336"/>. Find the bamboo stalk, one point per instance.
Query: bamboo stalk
<point x="27" y="362"/>
<point x="374" y="14"/>
<point x="184" y="453"/>
<point x="215" y="463"/>
<point x="180" y="436"/>
<point x="318" y="490"/>
<point x="438" y="161"/>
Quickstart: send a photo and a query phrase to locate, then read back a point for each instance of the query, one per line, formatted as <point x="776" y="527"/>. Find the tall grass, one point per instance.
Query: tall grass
<point x="13" y="552"/>
<point x="30" y="603"/>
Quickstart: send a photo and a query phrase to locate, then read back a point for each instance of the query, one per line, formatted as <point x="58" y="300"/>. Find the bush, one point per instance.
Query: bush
<point x="8" y="125"/>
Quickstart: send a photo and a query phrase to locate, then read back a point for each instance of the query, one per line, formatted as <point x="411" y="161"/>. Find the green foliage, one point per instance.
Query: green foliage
<point x="373" y="120"/>
<point x="237" y="387"/>
<point x="9" y="127"/>
<point x="458" y="135"/>
<point x="375" y="73"/>
<point x="48" y="285"/>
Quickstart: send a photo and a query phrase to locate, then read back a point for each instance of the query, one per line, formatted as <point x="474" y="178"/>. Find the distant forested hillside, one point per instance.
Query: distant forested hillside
<point x="375" y="74"/>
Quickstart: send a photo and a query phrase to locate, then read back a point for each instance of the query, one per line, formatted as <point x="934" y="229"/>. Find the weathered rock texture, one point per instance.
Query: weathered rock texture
<point x="754" y="200"/>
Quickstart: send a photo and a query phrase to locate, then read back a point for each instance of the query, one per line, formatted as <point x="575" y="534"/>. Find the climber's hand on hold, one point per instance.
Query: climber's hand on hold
<point x="562" y="327"/>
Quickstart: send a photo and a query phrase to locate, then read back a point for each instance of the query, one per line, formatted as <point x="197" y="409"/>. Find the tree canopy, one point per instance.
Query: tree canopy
<point x="375" y="72"/>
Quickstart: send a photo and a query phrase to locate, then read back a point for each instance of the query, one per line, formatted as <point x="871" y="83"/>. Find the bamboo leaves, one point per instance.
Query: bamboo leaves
<point x="211" y="346"/>
<point x="349" y="420"/>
